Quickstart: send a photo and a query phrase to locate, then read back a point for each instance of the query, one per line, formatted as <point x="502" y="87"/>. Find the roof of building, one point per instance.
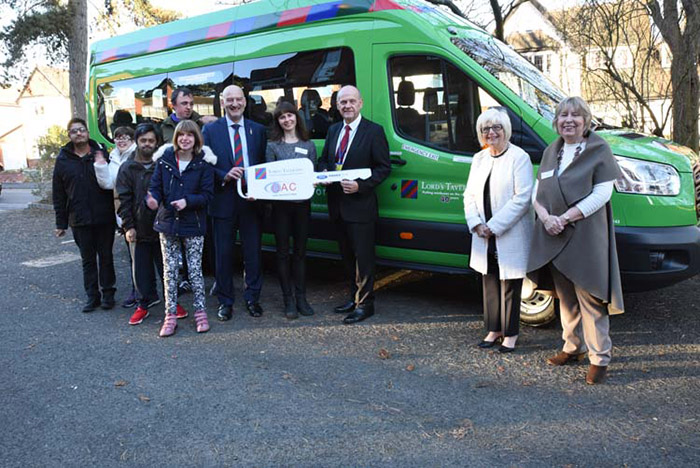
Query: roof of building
<point x="46" y="81"/>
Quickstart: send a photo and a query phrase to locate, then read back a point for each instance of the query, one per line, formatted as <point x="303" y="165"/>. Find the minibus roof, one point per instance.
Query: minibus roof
<point x="265" y="15"/>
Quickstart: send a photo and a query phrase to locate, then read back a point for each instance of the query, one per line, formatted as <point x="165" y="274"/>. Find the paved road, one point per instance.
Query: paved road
<point x="406" y="388"/>
<point x="15" y="198"/>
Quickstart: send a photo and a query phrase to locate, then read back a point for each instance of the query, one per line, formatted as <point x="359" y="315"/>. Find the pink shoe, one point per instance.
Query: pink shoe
<point x="169" y="325"/>
<point x="200" y="319"/>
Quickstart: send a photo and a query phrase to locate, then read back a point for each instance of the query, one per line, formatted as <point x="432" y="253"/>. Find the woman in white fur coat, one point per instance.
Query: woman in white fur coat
<point x="497" y="207"/>
<point x="106" y="173"/>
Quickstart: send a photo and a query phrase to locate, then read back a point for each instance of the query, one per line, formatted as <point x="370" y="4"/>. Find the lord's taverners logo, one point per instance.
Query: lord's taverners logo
<point x="409" y="189"/>
<point x="261" y="173"/>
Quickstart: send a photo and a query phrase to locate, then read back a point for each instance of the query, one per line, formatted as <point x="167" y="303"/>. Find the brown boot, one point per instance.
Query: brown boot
<point x="596" y="374"/>
<point x="563" y="358"/>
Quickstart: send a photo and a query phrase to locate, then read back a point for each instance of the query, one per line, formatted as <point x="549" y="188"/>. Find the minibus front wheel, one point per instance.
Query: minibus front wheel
<point x="536" y="308"/>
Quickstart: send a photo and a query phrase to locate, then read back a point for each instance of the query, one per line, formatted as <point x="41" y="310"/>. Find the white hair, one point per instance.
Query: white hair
<point x="493" y="116"/>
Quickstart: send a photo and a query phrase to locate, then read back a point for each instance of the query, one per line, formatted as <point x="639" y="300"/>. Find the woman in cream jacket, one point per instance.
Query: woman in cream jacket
<point x="497" y="207"/>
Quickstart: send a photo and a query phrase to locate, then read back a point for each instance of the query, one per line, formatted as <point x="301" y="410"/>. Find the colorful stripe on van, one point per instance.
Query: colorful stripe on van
<point x="278" y="19"/>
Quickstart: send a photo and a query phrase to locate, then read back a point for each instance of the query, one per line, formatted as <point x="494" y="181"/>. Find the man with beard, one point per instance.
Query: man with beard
<point x="80" y="202"/>
<point x="132" y="185"/>
<point x="238" y="143"/>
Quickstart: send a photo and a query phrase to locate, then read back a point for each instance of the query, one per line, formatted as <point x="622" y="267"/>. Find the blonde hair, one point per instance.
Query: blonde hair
<point x="575" y="104"/>
<point x="188" y="126"/>
<point x="493" y="116"/>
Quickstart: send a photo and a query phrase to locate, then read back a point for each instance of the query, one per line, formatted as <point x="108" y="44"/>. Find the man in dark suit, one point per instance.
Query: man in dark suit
<point x="238" y="143"/>
<point x="355" y="143"/>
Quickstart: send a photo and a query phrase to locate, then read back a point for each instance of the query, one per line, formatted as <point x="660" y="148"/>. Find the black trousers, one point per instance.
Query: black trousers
<point x="291" y="219"/>
<point x="501" y="303"/>
<point x="95" y="244"/>
<point x="148" y="260"/>
<point x="356" y="242"/>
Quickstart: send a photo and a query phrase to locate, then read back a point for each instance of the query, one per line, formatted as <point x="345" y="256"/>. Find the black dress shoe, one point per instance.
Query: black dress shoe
<point x="487" y="344"/>
<point x="359" y="314"/>
<point x="254" y="309"/>
<point x="505" y="349"/>
<point x="91" y="304"/>
<point x="225" y="312"/>
<point x="344" y="308"/>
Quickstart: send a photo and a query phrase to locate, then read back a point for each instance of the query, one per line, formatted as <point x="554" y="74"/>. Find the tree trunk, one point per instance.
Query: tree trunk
<point x="686" y="96"/>
<point x="77" y="57"/>
<point x="498" y="19"/>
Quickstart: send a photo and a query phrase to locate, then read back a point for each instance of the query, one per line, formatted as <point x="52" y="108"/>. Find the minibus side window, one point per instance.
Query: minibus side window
<point x="308" y="79"/>
<point x="130" y="102"/>
<point x="435" y="103"/>
<point x="206" y="84"/>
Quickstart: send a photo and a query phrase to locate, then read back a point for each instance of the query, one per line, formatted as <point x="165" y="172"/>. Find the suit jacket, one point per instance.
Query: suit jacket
<point x="216" y="137"/>
<point x="369" y="149"/>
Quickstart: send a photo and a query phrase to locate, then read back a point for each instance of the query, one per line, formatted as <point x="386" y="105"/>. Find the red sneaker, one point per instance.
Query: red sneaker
<point x="139" y="314"/>
<point x="180" y="313"/>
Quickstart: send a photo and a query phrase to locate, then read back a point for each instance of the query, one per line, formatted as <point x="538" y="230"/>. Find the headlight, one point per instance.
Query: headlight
<point x="647" y="178"/>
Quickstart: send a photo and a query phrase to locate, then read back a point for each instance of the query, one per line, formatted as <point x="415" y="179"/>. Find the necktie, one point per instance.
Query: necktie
<point x="342" y="149"/>
<point x="237" y="147"/>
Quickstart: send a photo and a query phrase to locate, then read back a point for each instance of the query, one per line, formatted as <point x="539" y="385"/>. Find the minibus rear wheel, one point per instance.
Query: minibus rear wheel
<point x="536" y="308"/>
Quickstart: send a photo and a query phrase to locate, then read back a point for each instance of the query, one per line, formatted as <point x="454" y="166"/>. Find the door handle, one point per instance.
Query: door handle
<point x="398" y="161"/>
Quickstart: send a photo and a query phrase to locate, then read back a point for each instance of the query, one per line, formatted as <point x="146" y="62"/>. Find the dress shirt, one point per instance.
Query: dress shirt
<point x="244" y="139"/>
<point x="353" y="130"/>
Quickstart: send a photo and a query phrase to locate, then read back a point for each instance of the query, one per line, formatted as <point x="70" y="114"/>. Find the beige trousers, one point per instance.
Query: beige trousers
<point x="582" y="314"/>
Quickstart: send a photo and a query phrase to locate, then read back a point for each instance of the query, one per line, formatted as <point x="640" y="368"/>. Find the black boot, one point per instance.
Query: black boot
<point x="302" y="306"/>
<point x="91" y="304"/>
<point x="289" y="310"/>
<point x="108" y="300"/>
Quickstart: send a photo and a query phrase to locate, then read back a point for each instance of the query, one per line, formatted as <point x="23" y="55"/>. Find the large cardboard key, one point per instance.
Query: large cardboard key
<point x="291" y="179"/>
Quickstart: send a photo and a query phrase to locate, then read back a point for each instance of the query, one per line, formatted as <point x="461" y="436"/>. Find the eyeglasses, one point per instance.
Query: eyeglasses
<point x="123" y="138"/>
<point x="75" y="131"/>
<point x="495" y="128"/>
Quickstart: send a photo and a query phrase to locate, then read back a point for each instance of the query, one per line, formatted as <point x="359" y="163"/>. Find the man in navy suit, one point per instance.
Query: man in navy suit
<point x="355" y="143"/>
<point x="238" y="143"/>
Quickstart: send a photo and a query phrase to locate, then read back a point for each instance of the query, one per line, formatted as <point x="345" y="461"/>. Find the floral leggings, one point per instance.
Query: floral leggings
<point x="170" y="246"/>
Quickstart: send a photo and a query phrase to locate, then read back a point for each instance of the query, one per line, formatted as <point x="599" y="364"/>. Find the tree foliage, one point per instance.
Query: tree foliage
<point x="49" y="145"/>
<point x="58" y="30"/>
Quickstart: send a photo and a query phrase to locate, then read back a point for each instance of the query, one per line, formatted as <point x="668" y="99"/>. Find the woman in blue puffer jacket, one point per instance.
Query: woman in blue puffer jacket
<point x="181" y="187"/>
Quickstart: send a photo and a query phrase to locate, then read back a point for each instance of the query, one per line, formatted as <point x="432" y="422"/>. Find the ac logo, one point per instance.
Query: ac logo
<point x="281" y="188"/>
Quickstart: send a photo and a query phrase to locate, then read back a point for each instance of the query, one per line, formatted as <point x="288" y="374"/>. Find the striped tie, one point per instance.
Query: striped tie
<point x="237" y="147"/>
<point x="342" y="149"/>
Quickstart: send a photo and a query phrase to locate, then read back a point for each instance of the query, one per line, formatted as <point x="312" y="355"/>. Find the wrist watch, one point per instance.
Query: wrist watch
<point x="566" y="217"/>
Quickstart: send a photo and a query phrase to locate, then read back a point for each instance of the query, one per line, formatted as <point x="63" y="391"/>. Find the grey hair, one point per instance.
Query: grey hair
<point x="493" y="116"/>
<point x="576" y="104"/>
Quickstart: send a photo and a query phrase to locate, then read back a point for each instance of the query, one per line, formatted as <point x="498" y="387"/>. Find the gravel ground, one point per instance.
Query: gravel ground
<point x="405" y="388"/>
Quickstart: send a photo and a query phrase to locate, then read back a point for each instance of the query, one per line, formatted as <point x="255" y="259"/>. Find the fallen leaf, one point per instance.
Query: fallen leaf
<point x="120" y="383"/>
<point x="410" y="368"/>
<point x="144" y="398"/>
<point x="394" y="337"/>
<point x="501" y="368"/>
<point x="383" y="354"/>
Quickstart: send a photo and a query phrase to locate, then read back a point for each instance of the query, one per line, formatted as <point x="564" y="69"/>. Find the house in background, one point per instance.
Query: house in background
<point x="29" y="112"/>
<point x="11" y="131"/>
<point x="540" y="35"/>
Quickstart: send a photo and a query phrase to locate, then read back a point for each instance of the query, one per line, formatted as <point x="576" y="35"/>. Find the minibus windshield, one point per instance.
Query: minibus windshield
<point x="511" y="69"/>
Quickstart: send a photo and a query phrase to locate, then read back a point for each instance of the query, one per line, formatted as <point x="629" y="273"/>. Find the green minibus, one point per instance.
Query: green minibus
<point x="425" y="75"/>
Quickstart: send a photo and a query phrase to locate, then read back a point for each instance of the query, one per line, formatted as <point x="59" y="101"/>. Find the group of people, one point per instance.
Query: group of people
<point x="168" y="195"/>
<point x="567" y="246"/>
<point x="557" y="232"/>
